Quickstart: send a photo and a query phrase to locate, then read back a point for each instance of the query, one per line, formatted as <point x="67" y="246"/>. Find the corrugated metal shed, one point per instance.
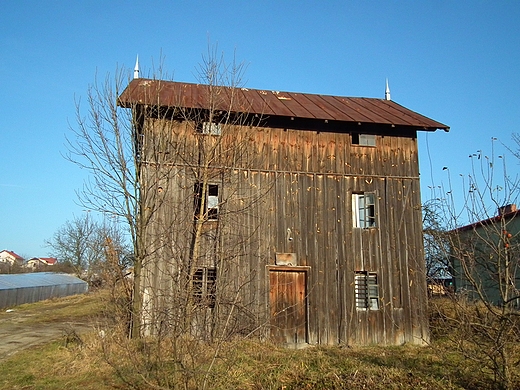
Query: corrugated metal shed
<point x="275" y="103"/>
<point x="17" y="289"/>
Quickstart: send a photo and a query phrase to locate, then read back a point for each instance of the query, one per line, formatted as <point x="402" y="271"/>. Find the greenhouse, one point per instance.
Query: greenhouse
<point x="16" y="289"/>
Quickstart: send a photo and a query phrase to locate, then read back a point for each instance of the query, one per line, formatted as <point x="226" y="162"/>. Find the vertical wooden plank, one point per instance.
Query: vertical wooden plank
<point x="407" y="283"/>
<point x="321" y="152"/>
<point x="297" y="155"/>
<point x="344" y="261"/>
<point x="274" y="308"/>
<point x="274" y="144"/>
<point x="294" y="235"/>
<point x="394" y="255"/>
<point x="339" y="153"/>
<point x="313" y="257"/>
<point x="331" y="230"/>
<point x="322" y="259"/>
<point x="284" y="149"/>
<point x="307" y="150"/>
<point x="330" y="153"/>
<point x="263" y="182"/>
<point x="302" y="307"/>
<point x="267" y="149"/>
<point x="292" y="307"/>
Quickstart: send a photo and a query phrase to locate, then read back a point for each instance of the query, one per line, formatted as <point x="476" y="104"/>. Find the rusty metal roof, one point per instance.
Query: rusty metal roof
<point x="274" y="103"/>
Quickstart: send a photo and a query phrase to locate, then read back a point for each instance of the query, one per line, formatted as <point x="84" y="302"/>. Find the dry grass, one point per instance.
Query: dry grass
<point x="240" y="365"/>
<point x="74" y="307"/>
<point x="107" y="361"/>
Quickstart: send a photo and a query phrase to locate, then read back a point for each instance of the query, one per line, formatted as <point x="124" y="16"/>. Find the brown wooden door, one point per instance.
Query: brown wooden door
<point x="288" y="303"/>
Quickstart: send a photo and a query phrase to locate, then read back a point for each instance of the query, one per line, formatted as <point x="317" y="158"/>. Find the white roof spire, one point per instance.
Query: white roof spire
<point x="387" y="91"/>
<point x="136" y="69"/>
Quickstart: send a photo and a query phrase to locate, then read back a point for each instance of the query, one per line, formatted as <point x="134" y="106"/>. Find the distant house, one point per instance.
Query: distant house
<point x="11" y="258"/>
<point x="486" y="258"/>
<point x="39" y="262"/>
<point x="294" y="217"/>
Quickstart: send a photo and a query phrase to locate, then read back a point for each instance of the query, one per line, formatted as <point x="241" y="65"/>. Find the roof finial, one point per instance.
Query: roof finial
<point x="136" y="69"/>
<point x="387" y="91"/>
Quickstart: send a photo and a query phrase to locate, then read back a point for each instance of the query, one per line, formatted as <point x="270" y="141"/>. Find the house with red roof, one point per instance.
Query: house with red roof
<point x="38" y="262"/>
<point x="10" y="257"/>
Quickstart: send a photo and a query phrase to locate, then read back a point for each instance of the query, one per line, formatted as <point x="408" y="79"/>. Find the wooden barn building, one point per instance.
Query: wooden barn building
<point x="289" y="217"/>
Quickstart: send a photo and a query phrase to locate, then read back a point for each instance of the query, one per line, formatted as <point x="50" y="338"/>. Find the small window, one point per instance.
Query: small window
<point x="205" y="286"/>
<point x="364" y="210"/>
<point x="209" y="128"/>
<point x="363" y="139"/>
<point x="210" y="195"/>
<point x="366" y="290"/>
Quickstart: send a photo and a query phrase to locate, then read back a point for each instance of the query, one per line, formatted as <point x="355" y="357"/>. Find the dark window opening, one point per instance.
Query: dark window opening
<point x="209" y="194"/>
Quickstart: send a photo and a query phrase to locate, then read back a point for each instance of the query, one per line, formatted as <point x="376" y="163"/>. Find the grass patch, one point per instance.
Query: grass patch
<point x="110" y="360"/>
<point x="53" y="366"/>
<point x="328" y="368"/>
<point x="239" y="365"/>
<point x="73" y="307"/>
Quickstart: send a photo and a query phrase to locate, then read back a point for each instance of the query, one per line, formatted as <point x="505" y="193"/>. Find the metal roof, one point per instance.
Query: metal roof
<point x="275" y="103"/>
<point x="37" y="279"/>
<point x="489" y="221"/>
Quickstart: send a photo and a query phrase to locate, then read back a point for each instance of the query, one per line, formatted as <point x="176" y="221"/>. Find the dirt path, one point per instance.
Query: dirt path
<point x="17" y="334"/>
<point x="37" y="324"/>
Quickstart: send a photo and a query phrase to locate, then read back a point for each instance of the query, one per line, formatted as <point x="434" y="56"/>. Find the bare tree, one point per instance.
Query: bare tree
<point x="191" y="163"/>
<point x="104" y="143"/>
<point x="166" y="172"/>
<point x="78" y="243"/>
<point x="81" y="243"/>
<point x="482" y="237"/>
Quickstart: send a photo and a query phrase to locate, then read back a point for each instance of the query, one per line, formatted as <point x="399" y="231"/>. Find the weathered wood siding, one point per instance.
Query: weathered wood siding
<point x="289" y="191"/>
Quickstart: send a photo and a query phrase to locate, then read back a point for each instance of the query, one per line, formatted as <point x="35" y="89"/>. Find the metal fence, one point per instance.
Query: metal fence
<point x="16" y="289"/>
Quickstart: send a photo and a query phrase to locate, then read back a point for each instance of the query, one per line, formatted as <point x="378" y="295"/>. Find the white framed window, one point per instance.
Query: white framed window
<point x="210" y="192"/>
<point x="366" y="290"/>
<point x="364" y="210"/>
<point x="363" y="139"/>
<point x="211" y="128"/>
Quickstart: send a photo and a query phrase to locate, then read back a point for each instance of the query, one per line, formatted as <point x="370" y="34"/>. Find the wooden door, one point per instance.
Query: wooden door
<point x="288" y="302"/>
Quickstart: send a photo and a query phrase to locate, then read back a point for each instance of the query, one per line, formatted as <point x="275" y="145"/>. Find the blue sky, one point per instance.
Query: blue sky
<point x="457" y="62"/>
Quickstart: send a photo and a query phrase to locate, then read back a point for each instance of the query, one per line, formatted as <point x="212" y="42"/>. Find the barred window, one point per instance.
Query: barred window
<point x="205" y="286"/>
<point x="366" y="290"/>
<point x="211" y="128"/>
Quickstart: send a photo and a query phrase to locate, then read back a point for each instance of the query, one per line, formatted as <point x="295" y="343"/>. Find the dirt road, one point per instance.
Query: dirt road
<point x="36" y="324"/>
<point x="17" y="334"/>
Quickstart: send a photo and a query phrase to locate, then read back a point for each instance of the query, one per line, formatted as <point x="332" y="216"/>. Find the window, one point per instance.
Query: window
<point x="364" y="210"/>
<point x="366" y="290"/>
<point x="363" y="139"/>
<point x="205" y="286"/>
<point x="209" y="128"/>
<point x="210" y="195"/>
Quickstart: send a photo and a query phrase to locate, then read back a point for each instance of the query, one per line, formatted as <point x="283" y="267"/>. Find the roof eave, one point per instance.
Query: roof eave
<point x="371" y="111"/>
